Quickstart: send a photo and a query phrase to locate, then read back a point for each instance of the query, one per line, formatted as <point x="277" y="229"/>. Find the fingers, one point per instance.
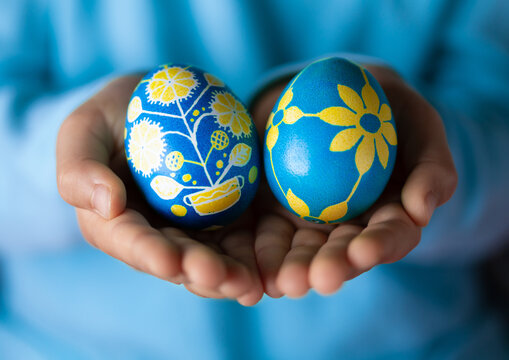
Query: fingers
<point x="209" y="273"/>
<point x="430" y="184"/>
<point x="273" y="239"/>
<point x="129" y="238"/>
<point x="390" y="235"/>
<point x="244" y="283"/>
<point x="171" y="255"/>
<point x="432" y="176"/>
<point x="331" y="267"/>
<point x="201" y="265"/>
<point x="325" y="263"/>
<point x="85" y="180"/>
<point x="292" y="279"/>
<point x="86" y="143"/>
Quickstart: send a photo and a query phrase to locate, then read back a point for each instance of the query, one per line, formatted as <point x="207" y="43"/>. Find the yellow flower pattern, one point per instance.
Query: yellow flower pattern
<point x="366" y="120"/>
<point x="231" y="114"/>
<point x="170" y="84"/>
<point x="186" y="174"/>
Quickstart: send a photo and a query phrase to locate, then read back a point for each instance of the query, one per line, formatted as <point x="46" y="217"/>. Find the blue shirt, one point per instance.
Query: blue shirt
<point x="59" y="298"/>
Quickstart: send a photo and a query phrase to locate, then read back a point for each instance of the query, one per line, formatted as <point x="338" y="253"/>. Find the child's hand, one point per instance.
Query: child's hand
<point x="295" y="255"/>
<point x="93" y="176"/>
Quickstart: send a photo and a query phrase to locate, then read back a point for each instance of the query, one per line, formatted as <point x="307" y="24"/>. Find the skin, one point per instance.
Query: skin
<point x="268" y="249"/>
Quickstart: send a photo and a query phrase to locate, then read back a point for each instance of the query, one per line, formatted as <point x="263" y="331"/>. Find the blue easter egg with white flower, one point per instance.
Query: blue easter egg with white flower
<point x="191" y="147"/>
<point x="330" y="142"/>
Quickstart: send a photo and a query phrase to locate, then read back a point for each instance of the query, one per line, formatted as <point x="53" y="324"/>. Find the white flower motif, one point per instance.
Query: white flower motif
<point x="146" y="146"/>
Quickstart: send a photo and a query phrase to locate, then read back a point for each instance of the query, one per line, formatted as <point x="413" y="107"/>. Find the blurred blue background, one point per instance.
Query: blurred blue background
<point x="62" y="299"/>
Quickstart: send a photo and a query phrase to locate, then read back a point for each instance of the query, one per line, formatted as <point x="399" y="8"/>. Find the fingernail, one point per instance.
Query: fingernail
<point x="101" y="200"/>
<point x="431" y="201"/>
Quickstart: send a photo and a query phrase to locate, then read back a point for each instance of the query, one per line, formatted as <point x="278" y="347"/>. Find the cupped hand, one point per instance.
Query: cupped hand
<point x="92" y="176"/>
<point x="295" y="255"/>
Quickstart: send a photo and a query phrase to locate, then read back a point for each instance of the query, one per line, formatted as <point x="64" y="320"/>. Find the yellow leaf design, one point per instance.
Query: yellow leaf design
<point x="336" y="115"/>
<point x="334" y="212"/>
<point x="285" y="100"/>
<point x="298" y="205"/>
<point x="240" y="154"/>
<point x="165" y="187"/>
<point x="135" y="109"/>
<point x="292" y="115"/>
<point x="272" y="136"/>
<point x="212" y="80"/>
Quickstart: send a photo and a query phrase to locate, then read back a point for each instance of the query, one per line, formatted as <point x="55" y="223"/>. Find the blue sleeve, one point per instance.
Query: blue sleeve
<point x="32" y="214"/>
<point x="468" y="83"/>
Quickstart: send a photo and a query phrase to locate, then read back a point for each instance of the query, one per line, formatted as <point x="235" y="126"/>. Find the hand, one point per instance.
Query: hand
<point x="93" y="176"/>
<point x="294" y="255"/>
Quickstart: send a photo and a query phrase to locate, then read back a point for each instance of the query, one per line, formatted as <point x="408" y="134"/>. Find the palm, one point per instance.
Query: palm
<point x="267" y="244"/>
<point x="295" y="255"/>
<point x="212" y="264"/>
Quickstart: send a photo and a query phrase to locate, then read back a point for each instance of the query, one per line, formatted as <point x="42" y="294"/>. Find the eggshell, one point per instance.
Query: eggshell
<point x="330" y="142"/>
<point x="191" y="147"/>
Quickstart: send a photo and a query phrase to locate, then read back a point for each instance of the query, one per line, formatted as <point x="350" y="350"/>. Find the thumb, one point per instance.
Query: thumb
<point x="85" y="146"/>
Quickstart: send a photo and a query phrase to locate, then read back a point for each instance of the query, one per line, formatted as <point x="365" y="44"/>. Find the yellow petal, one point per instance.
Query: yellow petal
<point x="172" y="72"/>
<point x="181" y="91"/>
<point x="370" y="99"/>
<point x="160" y="75"/>
<point x="230" y="101"/>
<point x="220" y="108"/>
<point x="345" y="140"/>
<point x="272" y="136"/>
<point x="156" y="83"/>
<point x="297" y="204"/>
<point x="184" y="75"/>
<point x="239" y="107"/>
<point x="336" y="115"/>
<point x="186" y="82"/>
<point x="225" y="119"/>
<point x="222" y="100"/>
<point x="158" y="92"/>
<point x="350" y="98"/>
<point x="385" y="113"/>
<point x="334" y="212"/>
<point x="382" y="150"/>
<point x="389" y="133"/>
<point x="212" y="80"/>
<point x="292" y="115"/>
<point x="285" y="100"/>
<point x="244" y="122"/>
<point x="168" y="94"/>
<point x="365" y="154"/>
<point x="235" y="127"/>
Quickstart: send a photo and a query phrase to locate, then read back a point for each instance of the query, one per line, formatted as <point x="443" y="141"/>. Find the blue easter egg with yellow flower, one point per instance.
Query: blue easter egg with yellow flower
<point x="330" y="142"/>
<point x="191" y="146"/>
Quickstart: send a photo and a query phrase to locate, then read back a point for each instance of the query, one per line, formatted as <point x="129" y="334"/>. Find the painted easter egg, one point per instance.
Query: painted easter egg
<point x="191" y="147"/>
<point x="330" y="142"/>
